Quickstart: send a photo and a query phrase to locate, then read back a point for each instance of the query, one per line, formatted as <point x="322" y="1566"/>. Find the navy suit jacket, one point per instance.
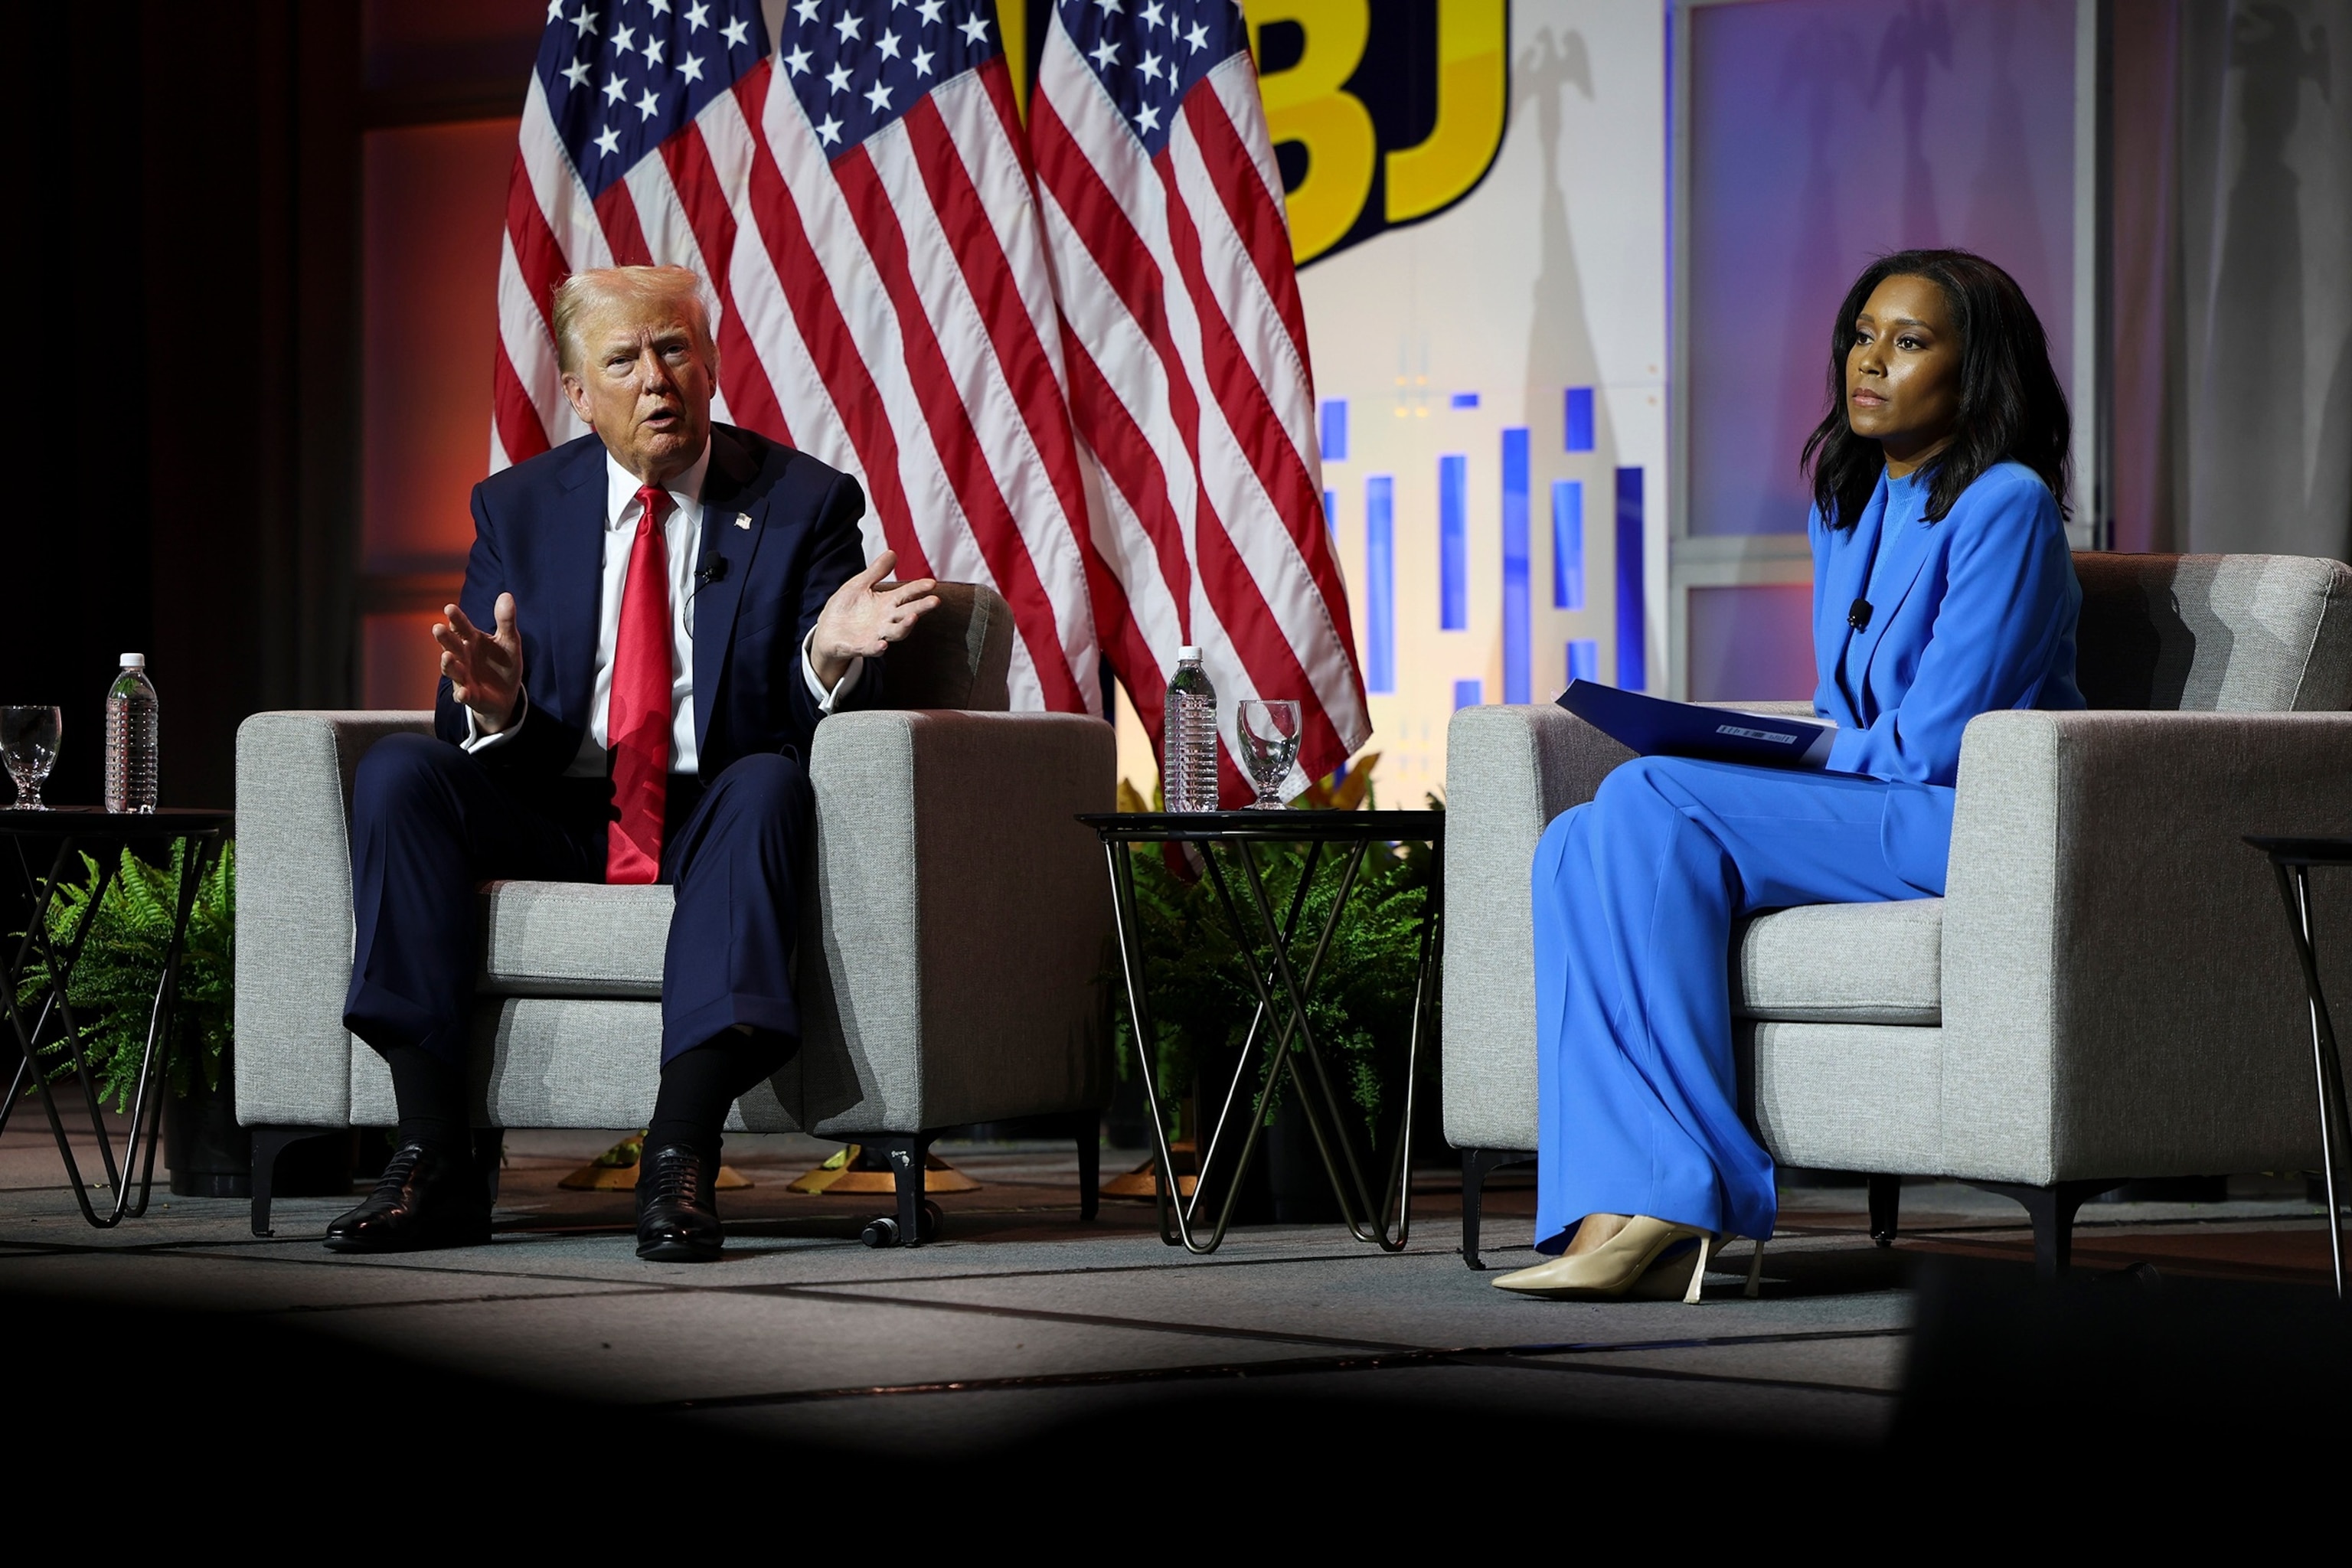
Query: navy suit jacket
<point x="1975" y="613"/>
<point x="784" y="524"/>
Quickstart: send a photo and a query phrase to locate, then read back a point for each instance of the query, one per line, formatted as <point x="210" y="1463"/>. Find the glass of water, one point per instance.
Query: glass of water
<point x="1269" y="746"/>
<point x="28" y="744"/>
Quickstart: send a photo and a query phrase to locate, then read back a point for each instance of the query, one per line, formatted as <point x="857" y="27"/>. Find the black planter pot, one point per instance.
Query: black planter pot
<point x="210" y="1156"/>
<point x="1298" y="1188"/>
<point x="1127" y="1123"/>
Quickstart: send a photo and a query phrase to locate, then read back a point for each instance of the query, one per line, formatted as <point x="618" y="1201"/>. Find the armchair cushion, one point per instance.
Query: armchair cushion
<point x="1846" y="963"/>
<point x="1845" y="1097"/>
<point x="574" y="939"/>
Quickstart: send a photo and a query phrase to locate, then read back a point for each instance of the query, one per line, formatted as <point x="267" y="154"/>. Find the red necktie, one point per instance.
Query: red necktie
<point x="637" y="723"/>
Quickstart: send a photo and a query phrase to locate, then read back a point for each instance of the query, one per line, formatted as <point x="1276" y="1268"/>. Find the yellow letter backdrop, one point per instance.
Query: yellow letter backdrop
<point x="1383" y="113"/>
<point x="1380" y="115"/>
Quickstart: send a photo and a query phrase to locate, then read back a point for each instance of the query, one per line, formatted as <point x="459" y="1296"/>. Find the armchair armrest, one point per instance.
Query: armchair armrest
<point x="2119" y="995"/>
<point x="1508" y="772"/>
<point x="294" y="775"/>
<point x="962" y="921"/>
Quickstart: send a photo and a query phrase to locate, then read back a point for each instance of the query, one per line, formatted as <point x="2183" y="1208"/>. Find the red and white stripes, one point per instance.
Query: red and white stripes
<point x="1190" y="387"/>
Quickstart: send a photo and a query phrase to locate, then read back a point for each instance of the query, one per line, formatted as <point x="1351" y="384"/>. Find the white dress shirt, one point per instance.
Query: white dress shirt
<point x="682" y="543"/>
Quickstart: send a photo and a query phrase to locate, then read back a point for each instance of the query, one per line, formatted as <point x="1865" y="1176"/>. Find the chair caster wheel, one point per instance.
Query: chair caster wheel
<point x="929" y="1228"/>
<point x="882" y="1231"/>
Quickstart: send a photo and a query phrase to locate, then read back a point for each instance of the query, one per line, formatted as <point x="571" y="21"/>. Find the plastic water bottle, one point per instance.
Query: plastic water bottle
<point x="1189" y="736"/>
<point x="131" y="737"/>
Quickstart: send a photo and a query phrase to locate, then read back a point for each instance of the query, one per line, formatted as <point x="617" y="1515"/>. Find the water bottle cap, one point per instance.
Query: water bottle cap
<point x="134" y="661"/>
<point x="1187" y="654"/>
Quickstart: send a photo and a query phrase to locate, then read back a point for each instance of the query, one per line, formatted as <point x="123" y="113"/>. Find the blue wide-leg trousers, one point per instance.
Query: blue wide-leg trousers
<point x="1634" y="896"/>
<point x="431" y="823"/>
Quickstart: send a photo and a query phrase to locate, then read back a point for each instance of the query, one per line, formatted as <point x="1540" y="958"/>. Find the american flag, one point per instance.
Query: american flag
<point x="858" y="199"/>
<point x="1189" y="379"/>
<point x="859" y="203"/>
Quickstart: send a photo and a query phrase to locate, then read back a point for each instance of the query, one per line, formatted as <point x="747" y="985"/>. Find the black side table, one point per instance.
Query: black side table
<point x="56" y="836"/>
<point x="1224" y="836"/>
<point x="2293" y="859"/>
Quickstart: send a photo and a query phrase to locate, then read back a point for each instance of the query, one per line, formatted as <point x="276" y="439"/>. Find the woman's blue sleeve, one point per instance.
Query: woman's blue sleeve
<point x="2007" y="604"/>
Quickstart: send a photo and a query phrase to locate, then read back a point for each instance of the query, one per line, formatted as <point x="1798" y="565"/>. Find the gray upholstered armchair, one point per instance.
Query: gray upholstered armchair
<point x="952" y="947"/>
<point x="2104" y="992"/>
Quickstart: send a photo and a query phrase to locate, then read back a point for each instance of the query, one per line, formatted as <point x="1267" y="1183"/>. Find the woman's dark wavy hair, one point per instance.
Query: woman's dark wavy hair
<point x="2012" y="405"/>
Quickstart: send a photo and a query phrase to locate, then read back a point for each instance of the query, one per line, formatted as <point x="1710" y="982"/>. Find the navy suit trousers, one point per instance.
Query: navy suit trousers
<point x="431" y="823"/>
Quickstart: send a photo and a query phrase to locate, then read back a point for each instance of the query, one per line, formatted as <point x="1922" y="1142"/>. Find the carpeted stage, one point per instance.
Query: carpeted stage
<point x="1027" y="1337"/>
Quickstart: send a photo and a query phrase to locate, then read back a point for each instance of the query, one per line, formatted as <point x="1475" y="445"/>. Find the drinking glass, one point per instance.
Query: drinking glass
<point x="1269" y="745"/>
<point x="28" y="744"/>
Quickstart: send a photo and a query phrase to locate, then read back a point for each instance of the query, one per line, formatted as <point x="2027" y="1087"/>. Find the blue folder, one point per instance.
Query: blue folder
<point x="1655" y="727"/>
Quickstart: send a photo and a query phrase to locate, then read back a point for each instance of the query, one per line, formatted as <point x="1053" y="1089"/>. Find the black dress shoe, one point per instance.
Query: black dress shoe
<point x="427" y="1197"/>
<point x="677" y="1215"/>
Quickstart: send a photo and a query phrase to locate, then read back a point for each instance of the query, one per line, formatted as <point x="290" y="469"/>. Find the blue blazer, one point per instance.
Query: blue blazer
<point x="1973" y="612"/>
<point x="785" y="526"/>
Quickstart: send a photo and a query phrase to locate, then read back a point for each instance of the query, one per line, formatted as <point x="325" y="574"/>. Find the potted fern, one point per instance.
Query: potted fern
<point x="112" y="990"/>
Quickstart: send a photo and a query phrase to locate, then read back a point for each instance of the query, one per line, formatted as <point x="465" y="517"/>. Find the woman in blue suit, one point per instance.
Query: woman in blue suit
<point x="1942" y="589"/>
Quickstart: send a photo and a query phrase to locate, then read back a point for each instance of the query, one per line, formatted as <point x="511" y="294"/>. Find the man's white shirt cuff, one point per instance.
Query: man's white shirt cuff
<point x="841" y="689"/>
<point x="476" y="740"/>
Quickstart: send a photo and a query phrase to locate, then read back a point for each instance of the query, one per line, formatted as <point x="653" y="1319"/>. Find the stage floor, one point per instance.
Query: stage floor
<point x="1021" y="1318"/>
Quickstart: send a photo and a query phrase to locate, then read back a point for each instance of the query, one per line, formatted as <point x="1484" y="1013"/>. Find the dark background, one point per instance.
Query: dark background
<point x="187" y="256"/>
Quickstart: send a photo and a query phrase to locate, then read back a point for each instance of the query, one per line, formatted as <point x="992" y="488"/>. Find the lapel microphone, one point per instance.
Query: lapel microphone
<point x="715" y="571"/>
<point x="1857" y="617"/>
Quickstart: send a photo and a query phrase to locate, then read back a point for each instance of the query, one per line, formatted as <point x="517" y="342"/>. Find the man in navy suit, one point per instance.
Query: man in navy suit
<point x="655" y="619"/>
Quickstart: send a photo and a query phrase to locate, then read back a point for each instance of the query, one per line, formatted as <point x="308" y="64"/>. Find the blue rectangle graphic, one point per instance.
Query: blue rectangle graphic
<point x="1567" y="545"/>
<point x="1469" y="693"/>
<point x="1465" y="400"/>
<point x="1379" y="583"/>
<point x="1453" y="542"/>
<point x="1518" y="679"/>
<point x="1331" y="511"/>
<point x="1335" y="430"/>
<point x="1578" y="434"/>
<point x="1583" y="660"/>
<point x="1632" y="665"/>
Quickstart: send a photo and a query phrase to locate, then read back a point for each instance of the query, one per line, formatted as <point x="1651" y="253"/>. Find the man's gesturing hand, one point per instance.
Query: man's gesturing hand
<point x="485" y="668"/>
<point x="861" y="619"/>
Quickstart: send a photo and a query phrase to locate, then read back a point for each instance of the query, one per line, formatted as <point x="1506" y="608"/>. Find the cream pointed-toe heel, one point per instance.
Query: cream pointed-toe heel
<point x="1698" y="1273"/>
<point x="1609" y="1270"/>
<point x="1684" y="1277"/>
<point x="1676" y="1279"/>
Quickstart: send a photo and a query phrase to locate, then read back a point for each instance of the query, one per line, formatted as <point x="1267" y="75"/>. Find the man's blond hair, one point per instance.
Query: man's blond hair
<point x="584" y="294"/>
